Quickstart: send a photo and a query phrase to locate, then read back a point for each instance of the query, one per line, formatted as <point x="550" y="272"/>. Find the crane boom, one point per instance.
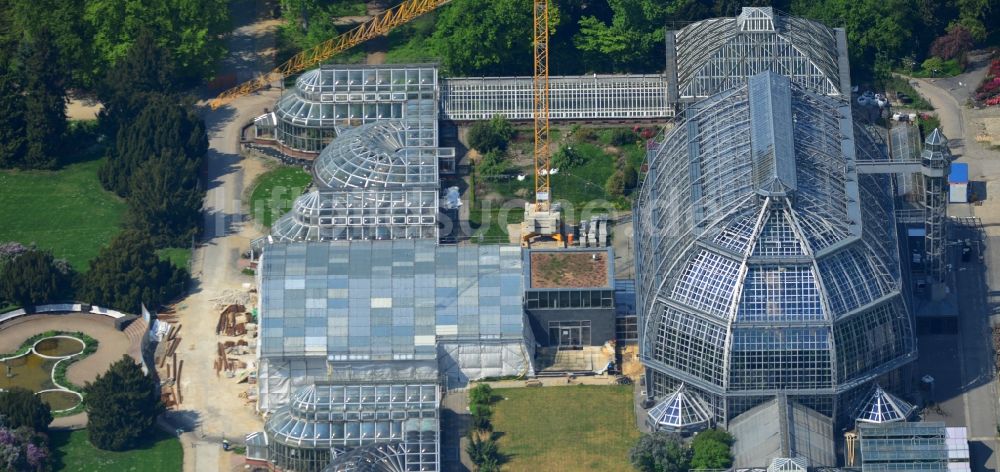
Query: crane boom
<point x="377" y="26"/>
<point x="540" y="88"/>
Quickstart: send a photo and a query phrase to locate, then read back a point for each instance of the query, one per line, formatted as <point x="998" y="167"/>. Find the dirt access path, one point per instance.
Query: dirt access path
<point x="211" y="409"/>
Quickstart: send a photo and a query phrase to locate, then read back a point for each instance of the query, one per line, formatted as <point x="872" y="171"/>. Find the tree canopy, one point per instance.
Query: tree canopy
<point x="44" y="97"/>
<point x="165" y="199"/>
<point x="710" y="449"/>
<point x="34" y="277"/>
<point x="486" y="37"/>
<point x="122" y="406"/>
<point x="12" y="126"/>
<point x="20" y="407"/>
<point x="190" y="29"/>
<point x="162" y="125"/>
<point x="128" y="273"/>
<point x="659" y="452"/>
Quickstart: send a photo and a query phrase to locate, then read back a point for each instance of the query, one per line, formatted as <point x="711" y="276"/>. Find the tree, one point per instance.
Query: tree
<point x="711" y="450"/>
<point x="146" y="72"/>
<point x="190" y="29"/>
<point x="44" y="102"/>
<point x="34" y="277"/>
<point x="166" y="199"/>
<point x="162" y="125"/>
<point x="495" y="134"/>
<point x="12" y="126"/>
<point x="486" y="37"/>
<point x="633" y="39"/>
<point x="128" y="273"/>
<point x="69" y="34"/>
<point x="953" y="45"/>
<point x="122" y="406"/>
<point x="659" y="452"/>
<point x="21" y="407"/>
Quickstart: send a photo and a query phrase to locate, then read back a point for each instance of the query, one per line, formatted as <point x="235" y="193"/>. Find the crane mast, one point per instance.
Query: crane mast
<point x="541" y="217"/>
<point x="540" y="89"/>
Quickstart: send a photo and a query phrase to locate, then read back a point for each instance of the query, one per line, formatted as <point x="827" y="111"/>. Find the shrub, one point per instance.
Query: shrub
<point x="481" y="394"/>
<point x="483" y="452"/>
<point x="623" y="136"/>
<point x="615" y="186"/>
<point x="567" y="157"/>
<point x="711" y="450"/>
<point x="493" y="165"/>
<point x="495" y="134"/>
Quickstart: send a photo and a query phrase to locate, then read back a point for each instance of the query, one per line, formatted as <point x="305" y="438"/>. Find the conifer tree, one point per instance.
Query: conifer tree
<point x="12" y="125"/>
<point x="32" y="278"/>
<point x="122" y="406"/>
<point x="162" y="125"/>
<point x="44" y="100"/>
<point x="20" y="407"/>
<point x="166" y="198"/>
<point x="128" y="273"/>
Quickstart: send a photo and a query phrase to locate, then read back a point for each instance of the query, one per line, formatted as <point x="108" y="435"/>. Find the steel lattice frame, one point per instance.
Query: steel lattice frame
<point x="372" y="185"/>
<point x="582" y="97"/>
<point x="717" y="54"/>
<point x="743" y="292"/>
<point x="327" y="100"/>
<point x="351" y="424"/>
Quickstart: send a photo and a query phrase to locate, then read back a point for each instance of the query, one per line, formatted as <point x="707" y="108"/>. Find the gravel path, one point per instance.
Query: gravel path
<point x="112" y="344"/>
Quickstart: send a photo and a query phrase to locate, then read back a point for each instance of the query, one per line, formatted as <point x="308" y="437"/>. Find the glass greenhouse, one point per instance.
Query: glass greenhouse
<point x="715" y="55"/>
<point x="358" y="337"/>
<point x="326" y="423"/>
<point x="766" y="263"/>
<point x="371" y="185"/>
<point x="336" y="97"/>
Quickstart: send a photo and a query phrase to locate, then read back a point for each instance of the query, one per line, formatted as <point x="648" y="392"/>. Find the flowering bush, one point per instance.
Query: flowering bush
<point x="23" y="449"/>
<point x="989" y="90"/>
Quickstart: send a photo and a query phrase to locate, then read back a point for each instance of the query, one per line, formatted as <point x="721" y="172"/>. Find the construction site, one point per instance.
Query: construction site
<point x="778" y="234"/>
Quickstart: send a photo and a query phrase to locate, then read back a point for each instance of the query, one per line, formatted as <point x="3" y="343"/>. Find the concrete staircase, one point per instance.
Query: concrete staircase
<point x="134" y="332"/>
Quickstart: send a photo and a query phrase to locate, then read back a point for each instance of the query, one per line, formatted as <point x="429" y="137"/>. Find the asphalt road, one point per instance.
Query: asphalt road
<point x="975" y="282"/>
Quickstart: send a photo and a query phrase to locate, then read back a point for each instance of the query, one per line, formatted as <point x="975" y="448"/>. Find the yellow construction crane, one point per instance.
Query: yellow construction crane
<point x="377" y="26"/>
<point x="541" y="218"/>
<point x="540" y="89"/>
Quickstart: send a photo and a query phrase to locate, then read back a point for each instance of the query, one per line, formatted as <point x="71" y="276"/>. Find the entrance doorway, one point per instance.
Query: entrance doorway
<point x="569" y="334"/>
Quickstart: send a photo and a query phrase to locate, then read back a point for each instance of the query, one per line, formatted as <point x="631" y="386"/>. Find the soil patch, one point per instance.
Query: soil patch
<point x="569" y="269"/>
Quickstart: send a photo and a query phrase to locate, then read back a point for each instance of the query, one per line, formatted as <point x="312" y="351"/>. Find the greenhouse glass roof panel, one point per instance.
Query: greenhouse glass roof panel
<point x="386" y="300"/>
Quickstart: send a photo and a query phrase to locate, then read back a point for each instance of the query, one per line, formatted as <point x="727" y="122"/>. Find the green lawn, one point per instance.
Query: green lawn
<point x="565" y="428"/>
<point x="179" y="257"/>
<point x="274" y="192"/>
<point x="65" y="211"/>
<point x="72" y="452"/>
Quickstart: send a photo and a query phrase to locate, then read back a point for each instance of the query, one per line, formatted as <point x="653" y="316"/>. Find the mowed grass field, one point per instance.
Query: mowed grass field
<point x="65" y="211"/>
<point x="583" y="427"/>
<point x="72" y="452"/>
<point x="275" y="191"/>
